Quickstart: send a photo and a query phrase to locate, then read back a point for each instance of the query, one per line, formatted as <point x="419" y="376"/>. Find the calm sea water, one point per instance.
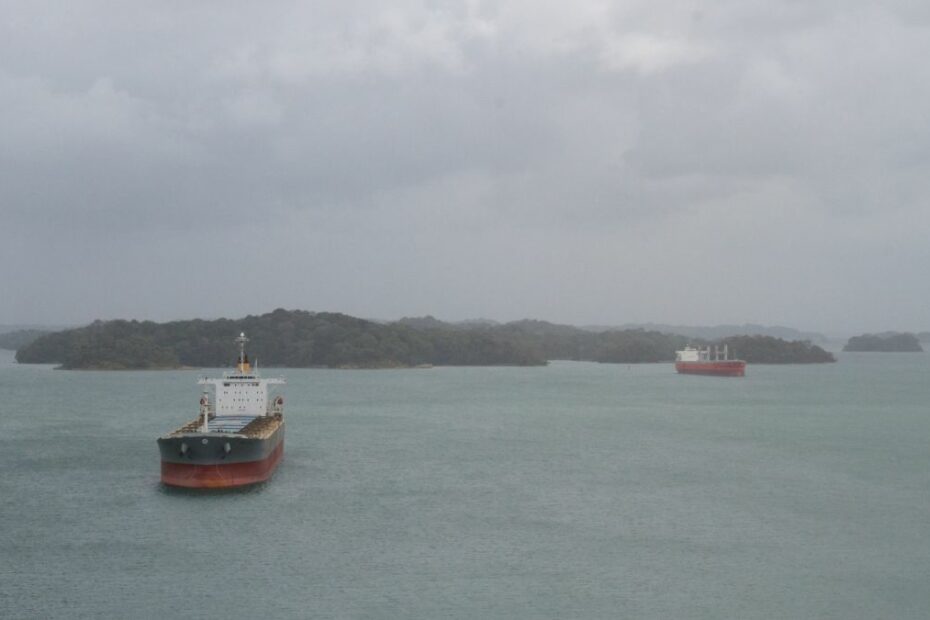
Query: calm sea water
<point x="571" y="491"/>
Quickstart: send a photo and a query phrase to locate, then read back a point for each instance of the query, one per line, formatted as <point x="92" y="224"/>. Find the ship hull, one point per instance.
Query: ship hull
<point x="721" y="368"/>
<point x="219" y="462"/>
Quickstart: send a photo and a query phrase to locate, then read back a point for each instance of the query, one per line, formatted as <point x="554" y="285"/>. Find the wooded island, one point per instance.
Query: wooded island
<point x="891" y="342"/>
<point x="301" y="339"/>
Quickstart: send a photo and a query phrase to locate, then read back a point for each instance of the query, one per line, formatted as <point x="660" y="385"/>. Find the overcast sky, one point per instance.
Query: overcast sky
<point x="587" y="162"/>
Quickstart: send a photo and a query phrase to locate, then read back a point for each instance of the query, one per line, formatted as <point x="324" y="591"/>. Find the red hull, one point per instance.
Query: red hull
<point x="221" y="476"/>
<point x="722" y="368"/>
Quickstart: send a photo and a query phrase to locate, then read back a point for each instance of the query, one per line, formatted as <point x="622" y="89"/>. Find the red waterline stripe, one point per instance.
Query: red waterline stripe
<point x="222" y="475"/>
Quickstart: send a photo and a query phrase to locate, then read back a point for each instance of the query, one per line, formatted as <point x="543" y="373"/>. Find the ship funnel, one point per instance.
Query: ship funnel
<point x="243" y="364"/>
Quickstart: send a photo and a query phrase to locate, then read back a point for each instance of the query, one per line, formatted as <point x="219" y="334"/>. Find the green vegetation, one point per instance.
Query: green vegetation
<point x="300" y="339"/>
<point x="770" y="350"/>
<point x="20" y="338"/>
<point x="280" y="338"/>
<point x="891" y="342"/>
<point x="628" y="346"/>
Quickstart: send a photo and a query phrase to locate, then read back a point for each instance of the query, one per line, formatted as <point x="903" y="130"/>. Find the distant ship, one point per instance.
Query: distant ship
<point x="238" y="438"/>
<point x="706" y="362"/>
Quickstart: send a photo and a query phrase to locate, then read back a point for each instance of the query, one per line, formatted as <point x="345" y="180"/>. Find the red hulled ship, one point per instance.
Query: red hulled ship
<point x="238" y="438"/>
<point x="693" y="361"/>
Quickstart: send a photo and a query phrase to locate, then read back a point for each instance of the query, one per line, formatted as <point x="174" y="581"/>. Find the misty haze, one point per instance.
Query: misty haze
<point x="590" y="310"/>
<point x="613" y="163"/>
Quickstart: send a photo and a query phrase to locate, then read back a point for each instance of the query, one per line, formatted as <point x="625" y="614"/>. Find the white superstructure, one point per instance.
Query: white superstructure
<point x="239" y="393"/>
<point x="690" y="354"/>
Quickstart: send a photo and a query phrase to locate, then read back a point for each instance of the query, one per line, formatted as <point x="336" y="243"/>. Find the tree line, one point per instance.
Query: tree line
<point x="892" y="342"/>
<point x="301" y="339"/>
<point x="19" y="338"/>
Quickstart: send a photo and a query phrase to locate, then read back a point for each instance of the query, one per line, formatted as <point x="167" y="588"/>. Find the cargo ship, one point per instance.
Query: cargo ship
<point x="693" y="361"/>
<point x="238" y="438"/>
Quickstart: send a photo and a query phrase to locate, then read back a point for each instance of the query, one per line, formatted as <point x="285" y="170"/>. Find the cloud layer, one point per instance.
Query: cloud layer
<point x="601" y="162"/>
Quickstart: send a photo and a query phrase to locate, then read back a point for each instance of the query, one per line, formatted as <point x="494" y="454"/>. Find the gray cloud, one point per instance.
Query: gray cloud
<point x="604" y="162"/>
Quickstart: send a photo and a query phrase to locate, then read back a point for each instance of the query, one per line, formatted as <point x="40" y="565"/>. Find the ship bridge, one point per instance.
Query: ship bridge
<point x="242" y="392"/>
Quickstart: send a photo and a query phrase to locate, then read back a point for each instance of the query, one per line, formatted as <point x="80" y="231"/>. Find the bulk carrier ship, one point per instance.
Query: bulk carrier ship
<point x="693" y="361"/>
<point x="238" y="438"/>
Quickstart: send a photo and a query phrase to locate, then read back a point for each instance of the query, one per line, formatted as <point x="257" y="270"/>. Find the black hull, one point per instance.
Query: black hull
<point x="212" y="460"/>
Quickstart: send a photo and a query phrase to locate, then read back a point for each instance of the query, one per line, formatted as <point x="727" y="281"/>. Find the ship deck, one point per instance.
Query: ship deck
<point x="248" y="425"/>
